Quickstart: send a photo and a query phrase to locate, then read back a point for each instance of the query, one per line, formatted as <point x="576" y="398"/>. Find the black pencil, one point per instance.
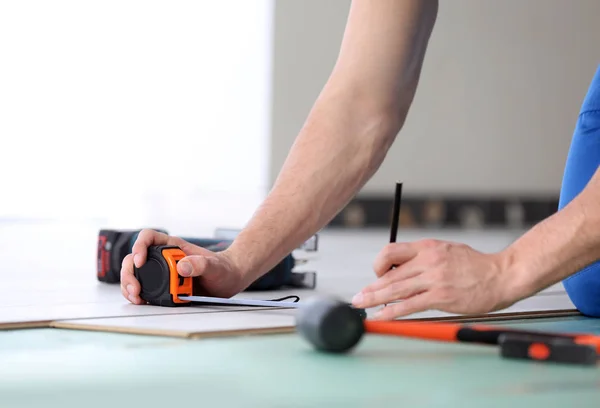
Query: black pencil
<point x="396" y="216"/>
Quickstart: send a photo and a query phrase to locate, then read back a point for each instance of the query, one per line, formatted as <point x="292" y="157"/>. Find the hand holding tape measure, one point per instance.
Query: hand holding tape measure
<point x="162" y="284"/>
<point x="161" y="271"/>
<point x="213" y="269"/>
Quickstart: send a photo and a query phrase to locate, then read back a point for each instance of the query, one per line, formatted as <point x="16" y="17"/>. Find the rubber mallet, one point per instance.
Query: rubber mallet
<point x="334" y="326"/>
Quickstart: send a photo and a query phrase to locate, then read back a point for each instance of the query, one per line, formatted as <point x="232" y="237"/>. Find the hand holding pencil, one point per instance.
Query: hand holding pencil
<point x="432" y="274"/>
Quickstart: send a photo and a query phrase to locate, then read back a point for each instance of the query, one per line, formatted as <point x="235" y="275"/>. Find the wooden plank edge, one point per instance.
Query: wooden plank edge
<point x="244" y="332"/>
<point x="26" y="325"/>
<point x="35" y="324"/>
<point x="170" y="333"/>
<point x="117" y="329"/>
<point x="541" y="314"/>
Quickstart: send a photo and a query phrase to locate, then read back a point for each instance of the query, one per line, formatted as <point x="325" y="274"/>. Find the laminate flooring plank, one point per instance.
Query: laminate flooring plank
<point x="282" y="320"/>
<point x="192" y="325"/>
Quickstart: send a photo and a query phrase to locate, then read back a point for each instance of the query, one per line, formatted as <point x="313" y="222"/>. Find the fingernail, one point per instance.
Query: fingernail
<point x="358" y="298"/>
<point x="137" y="260"/>
<point x="185" y="268"/>
<point x="130" y="289"/>
<point x="378" y="315"/>
<point x="132" y="299"/>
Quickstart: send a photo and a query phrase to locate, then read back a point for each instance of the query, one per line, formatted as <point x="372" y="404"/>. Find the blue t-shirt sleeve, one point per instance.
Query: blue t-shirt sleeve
<point x="582" y="161"/>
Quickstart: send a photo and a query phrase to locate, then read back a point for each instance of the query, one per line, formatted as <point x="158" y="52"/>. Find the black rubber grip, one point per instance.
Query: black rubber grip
<point x="556" y="350"/>
<point x="492" y="336"/>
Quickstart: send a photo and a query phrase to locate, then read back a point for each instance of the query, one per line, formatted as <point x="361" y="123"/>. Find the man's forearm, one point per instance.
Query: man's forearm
<point x="557" y="247"/>
<point x="340" y="147"/>
<point x="348" y="132"/>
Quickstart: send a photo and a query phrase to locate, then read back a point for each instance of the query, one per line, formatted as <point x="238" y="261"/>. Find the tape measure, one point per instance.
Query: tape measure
<point x="161" y="284"/>
<point x="158" y="277"/>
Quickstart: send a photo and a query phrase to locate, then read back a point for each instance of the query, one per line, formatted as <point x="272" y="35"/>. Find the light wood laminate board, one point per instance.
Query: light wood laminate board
<point x="282" y="320"/>
<point x="192" y="325"/>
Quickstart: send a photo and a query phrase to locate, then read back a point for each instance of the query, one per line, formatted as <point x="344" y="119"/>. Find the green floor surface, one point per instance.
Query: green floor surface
<point x="62" y="368"/>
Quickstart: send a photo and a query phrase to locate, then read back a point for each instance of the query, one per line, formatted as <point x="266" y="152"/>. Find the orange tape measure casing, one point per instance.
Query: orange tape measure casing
<point x="158" y="277"/>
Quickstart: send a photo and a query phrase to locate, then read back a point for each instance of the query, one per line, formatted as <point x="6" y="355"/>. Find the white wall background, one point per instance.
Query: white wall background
<point x="494" y="113"/>
<point x="135" y="112"/>
<point x="146" y="113"/>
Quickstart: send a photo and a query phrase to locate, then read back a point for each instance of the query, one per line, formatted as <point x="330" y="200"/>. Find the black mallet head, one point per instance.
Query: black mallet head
<point x="330" y="325"/>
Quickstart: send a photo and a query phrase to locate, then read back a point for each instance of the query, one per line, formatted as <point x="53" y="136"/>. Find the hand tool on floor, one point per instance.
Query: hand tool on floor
<point x="161" y="284"/>
<point x="331" y="326"/>
<point x="115" y="245"/>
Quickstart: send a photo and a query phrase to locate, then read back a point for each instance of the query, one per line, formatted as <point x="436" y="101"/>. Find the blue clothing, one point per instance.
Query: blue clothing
<point x="583" y="159"/>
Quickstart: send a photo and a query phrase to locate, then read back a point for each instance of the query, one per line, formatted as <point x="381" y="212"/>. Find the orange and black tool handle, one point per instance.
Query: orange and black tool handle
<point x="514" y="343"/>
<point x="558" y="349"/>
<point x="158" y="277"/>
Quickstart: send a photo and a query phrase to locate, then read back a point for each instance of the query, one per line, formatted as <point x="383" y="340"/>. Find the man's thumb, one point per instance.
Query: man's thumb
<point x="193" y="265"/>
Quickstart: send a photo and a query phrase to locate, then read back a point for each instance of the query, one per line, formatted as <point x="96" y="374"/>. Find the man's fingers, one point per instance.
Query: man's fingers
<point x="146" y="238"/>
<point x="403" y="272"/>
<point x="415" y="304"/>
<point x="149" y="237"/>
<point x="393" y="254"/>
<point x="195" y="265"/>
<point x="130" y="287"/>
<point x="396" y="290"/>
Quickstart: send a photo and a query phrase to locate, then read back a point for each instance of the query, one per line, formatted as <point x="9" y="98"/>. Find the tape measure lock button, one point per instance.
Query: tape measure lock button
<point x="158" y="277"/>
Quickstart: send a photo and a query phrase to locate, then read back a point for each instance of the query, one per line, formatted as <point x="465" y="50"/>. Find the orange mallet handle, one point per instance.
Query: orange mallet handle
<point x="533" y="345"/>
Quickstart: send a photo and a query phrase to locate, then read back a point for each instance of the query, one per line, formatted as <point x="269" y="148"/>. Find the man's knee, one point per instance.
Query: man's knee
<point x="583" y="289"/>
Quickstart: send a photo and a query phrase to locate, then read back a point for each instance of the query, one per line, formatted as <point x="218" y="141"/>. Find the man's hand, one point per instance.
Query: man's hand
<point x="216" y="272"/>
<point x="455" y="278"/>
<point x="436" y="275"/>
